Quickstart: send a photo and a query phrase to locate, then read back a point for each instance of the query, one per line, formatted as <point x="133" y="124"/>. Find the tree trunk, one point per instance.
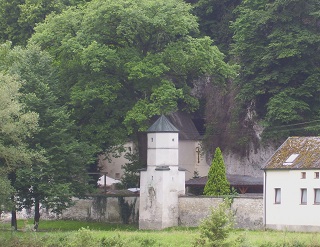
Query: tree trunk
<point x="36" y="214"/>
<point x="14" y="224"/>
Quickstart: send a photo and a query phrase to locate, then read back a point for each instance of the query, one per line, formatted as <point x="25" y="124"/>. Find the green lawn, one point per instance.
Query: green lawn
<point x="76" y="233"/>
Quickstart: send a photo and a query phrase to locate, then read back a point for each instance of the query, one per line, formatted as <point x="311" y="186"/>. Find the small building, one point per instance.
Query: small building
<point x="241" y="183"/>
<point x="162" y="182"/>
<point x="292" y="186"/>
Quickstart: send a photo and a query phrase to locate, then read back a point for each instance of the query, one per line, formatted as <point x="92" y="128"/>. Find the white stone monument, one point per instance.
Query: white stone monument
<point x="162" y="182"/>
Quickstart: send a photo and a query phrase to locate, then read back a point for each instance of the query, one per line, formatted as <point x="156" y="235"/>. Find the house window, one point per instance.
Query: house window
<point x="277" y="198"/>
<point x="316" y="196"/>
<point x="316" y="175"/>
<point x="303" y="175"/>
<point x="303" y="196"/>
<point x="117" y="175"/>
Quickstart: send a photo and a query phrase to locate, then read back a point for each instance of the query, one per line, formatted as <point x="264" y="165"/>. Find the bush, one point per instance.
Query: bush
<point x="215" y="229"/>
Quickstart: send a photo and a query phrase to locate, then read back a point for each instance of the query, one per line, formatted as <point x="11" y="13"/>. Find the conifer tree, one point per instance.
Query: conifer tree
<point x="217" y="183"/>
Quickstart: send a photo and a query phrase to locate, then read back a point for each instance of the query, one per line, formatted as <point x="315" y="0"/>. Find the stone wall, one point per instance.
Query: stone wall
<point x="248" y="210"/>
<point x="104" y="209"/>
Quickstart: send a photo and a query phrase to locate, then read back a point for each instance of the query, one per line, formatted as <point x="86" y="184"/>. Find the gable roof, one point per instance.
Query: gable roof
<point x="162" y="125"/>
<point x="296" y="153"/>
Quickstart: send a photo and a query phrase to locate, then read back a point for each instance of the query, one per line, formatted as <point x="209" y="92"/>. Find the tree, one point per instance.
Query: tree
<point x="277" y="44"/>
<point x="54" y="181"/>
<point x="142" y="63"/>
<point x="5" y="194"/>
<point x="19" y="17"/>
<point x="217" y="183"/>
<point x="17" y="126"/>
<point x="214" y="20"/>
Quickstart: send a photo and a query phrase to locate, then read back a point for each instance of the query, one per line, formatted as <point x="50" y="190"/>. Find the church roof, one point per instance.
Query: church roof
<point x="185" y="125"/>
<point x="162" y="125"/>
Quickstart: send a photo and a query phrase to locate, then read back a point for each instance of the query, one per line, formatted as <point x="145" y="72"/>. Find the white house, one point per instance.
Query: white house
<point x="191" y="156"/>
<point x="292" y="186"/>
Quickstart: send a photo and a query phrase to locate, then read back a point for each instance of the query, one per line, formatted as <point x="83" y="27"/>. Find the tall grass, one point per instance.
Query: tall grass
<point x="86" y="234"/>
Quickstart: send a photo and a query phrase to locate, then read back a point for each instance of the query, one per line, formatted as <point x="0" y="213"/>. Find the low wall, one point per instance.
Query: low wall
<point x="248" y="210"/>
<point x="104" y="209"/>
<point x="192" y="209"/>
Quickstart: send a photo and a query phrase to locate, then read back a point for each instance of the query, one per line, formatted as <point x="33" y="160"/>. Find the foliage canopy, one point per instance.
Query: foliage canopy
<point x="277" y="45"/>
<point x="120" y="63"/>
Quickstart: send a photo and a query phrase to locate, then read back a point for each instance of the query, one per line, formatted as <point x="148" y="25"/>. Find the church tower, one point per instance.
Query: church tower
<point x="162" y="182"/>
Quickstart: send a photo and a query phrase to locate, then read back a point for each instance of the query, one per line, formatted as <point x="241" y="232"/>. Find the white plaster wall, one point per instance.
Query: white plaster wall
<point x="148" y="209"/>
<point x="163" y="149"/>
<point x="290" y="212"/>
<point x="163" y="140"/>
<point x="159" y="191"/>
<point x="188" y="158"/>
<point x="160" y="157"/>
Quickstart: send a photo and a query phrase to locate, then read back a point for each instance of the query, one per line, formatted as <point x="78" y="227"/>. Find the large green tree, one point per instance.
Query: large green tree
<point x="64" y="172"/>
<point x="217" y="183"/>
<point x="122" y="62"/>
<point x="277" y="45"/>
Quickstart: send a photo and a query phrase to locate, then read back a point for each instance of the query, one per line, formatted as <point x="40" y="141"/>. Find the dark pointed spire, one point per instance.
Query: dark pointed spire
<point x="162" y="125"/>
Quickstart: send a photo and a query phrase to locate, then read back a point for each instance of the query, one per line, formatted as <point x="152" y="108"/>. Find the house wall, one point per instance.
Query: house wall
<point x="290" y="214"/>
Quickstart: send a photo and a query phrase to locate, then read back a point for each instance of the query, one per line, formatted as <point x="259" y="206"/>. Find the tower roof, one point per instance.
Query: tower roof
<point x="162" y="125"/>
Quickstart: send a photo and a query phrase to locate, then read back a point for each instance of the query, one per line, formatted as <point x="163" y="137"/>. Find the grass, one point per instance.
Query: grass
<point x="68" y="225"/>
<point x="67" y="233"/>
